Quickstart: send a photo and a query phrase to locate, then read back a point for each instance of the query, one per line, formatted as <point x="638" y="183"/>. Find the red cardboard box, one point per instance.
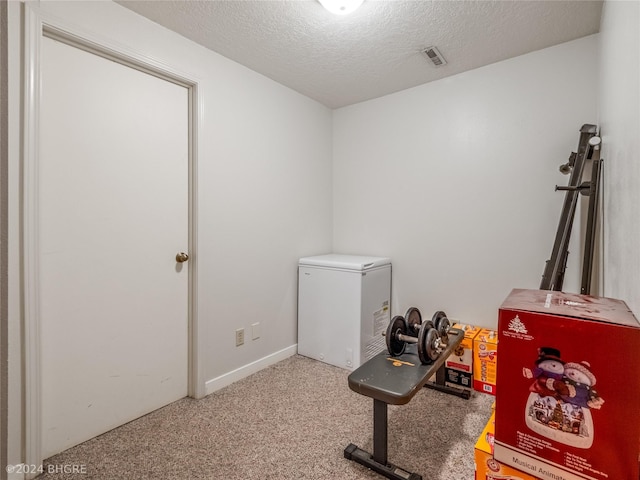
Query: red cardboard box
<point x="568" y="391"/>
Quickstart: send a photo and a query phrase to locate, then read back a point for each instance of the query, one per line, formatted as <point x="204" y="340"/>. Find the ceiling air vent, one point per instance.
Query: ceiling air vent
<point x="435" y="56"/>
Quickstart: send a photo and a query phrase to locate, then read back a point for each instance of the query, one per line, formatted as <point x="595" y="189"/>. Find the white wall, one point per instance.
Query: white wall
<point x="454" y="180"/>
<point x="264" y="192"/>
<point x="619" y="117"/>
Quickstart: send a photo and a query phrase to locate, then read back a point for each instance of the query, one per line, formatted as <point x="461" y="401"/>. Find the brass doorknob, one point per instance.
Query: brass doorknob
<point x="181" y="257"/>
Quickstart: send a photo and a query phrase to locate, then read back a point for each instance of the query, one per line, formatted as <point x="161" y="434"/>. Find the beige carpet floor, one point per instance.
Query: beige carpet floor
<point x="291" y="420"/>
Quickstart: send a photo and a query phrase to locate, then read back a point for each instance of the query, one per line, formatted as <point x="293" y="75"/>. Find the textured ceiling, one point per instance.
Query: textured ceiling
<point x="341" y="60"/>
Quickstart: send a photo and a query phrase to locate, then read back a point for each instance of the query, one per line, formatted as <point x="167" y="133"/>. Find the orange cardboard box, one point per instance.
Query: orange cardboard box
<point x="487" y="468"/>
<point x="459" y="366"/>
<point x="485" y="361"/>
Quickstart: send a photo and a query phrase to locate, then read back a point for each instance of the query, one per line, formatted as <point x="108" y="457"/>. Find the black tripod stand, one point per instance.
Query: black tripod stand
<point x="588" y="149"/>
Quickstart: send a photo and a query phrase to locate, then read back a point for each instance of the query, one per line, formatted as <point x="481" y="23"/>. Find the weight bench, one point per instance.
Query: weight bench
<point x="395" y="380"/>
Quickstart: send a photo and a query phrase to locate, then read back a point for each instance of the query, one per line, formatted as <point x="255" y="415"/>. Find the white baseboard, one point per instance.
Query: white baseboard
<point x="238" y="374"/>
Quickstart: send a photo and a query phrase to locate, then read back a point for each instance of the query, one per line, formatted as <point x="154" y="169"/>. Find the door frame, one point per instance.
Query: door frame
<point x="38" y="24"/>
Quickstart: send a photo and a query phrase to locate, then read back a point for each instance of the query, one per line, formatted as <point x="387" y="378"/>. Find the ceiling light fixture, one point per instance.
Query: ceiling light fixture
<point x="341" y="7"/>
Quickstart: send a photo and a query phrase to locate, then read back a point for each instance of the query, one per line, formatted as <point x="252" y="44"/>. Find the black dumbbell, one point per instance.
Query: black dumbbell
<point x="430" y="343"/>
<point x="442" y="324"/>
<point x="396" y="336"/>
<point x="432" y="336"/>
<point x="413" y="320"/>
<point x="428" y="340"/>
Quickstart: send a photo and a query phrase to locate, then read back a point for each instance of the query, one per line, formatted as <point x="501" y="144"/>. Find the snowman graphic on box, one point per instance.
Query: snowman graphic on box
<point x="561" y="398"/>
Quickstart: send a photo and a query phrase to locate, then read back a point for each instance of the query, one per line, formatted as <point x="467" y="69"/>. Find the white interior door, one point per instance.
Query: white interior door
<point x="113" y="183"/>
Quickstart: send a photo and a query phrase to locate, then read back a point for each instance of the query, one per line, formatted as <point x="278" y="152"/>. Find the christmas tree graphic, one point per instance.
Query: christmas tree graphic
<point x="558" y="416"/>
<point x="517" y="326"/>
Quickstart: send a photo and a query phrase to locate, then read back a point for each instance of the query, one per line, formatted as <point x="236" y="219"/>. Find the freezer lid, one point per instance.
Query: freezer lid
<point x="345" y="262"/>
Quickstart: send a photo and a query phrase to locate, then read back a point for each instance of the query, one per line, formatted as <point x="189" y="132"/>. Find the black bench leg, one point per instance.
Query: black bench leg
<point x="380" y="431"/>
<point x="378" y="462"/>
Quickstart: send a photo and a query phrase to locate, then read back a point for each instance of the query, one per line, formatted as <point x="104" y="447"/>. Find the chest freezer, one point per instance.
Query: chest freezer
<point x="344" y="305"/>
